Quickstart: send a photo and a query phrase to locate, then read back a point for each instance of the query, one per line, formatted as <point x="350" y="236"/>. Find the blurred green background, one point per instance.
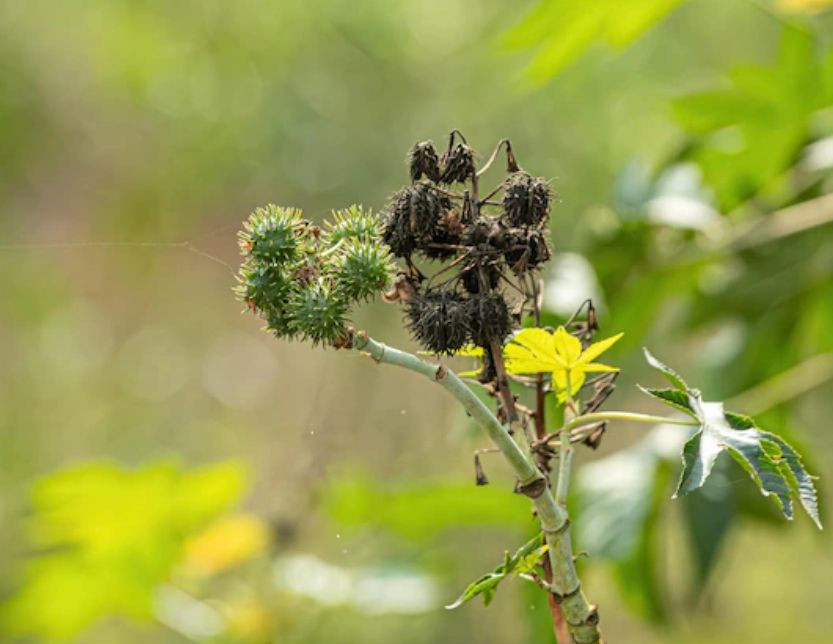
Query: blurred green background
<point x="170" y="473"/>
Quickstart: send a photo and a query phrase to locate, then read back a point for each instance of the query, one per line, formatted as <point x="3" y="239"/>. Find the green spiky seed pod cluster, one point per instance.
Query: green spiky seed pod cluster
<point x="491" y="246"/>
<point x="303" y="281"/>
<point x="352" y="223"/>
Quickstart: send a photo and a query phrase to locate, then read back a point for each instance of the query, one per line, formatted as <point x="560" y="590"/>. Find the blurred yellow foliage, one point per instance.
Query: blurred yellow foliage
<point x="225" y="543"/>
<point x="249" y="620"/>
<point x="805" y="6"/>
<point x="107" y="537"/>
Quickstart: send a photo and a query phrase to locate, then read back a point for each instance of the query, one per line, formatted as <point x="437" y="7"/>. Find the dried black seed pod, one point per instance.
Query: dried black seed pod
<point x="396" y="231"/>
<point x="423" y="161"/>
<point x="438" y="321"/>
<point x="471" y="280"/>
<point x="415" y="218"/>
<point x="526" y="199"/>
<point x="477" y="233"/>
<point x="428" y="206"/>
<point x="457" y="164"/>
<point x="445" y="240"/>
<point x="526" y="249"/>
<point x="488" y="318"/>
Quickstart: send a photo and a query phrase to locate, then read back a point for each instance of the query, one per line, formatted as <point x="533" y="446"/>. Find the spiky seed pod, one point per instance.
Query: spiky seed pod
<point x="428" y="206"/>
<point x="413" y="218"/>
<point x="479" y="232"/>
<point x="526" y="249"/>
<point x="488" y="318"/>
<point x="437" y="321"/>
<point x="471" y="280"/>
<point x="271" y="234"/>
<point x="396" y="231"/>
<point x="262" y="286"/>
<point x="279" y="321"/>
<point x="351" y="223"/>
<point x="361" y="269"/>
<point x="526" y="199"/>
<point x="445" y="237"/>
<point x="440" y="246"/>
<point x="457" y="164"/>
<point x="423" y="161"/>
<point x="318" y="313"/>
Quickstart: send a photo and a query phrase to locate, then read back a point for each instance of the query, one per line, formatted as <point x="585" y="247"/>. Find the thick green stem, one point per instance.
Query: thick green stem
<point x="581" y="617"/>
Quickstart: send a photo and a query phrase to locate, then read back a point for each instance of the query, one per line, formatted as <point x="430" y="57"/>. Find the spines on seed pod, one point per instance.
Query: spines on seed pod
<point x="526" y="199"/>
<point x="457" y="164"/>
<point x="271" y="234"/>
<point x="361" y="269"/>
<point x="438" y="321"/>
<point x="318" y="313"/>
<point x="351" y="223"/>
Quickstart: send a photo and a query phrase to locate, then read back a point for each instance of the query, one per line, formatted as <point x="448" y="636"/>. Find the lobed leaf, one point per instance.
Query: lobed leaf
<point x="672" y="376"/>
<point x="671" y="397"/>
<point x="773" y="465"/>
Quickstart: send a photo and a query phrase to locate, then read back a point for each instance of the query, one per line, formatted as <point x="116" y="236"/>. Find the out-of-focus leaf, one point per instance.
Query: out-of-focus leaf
<point x="805" y="6"/>
<point x="421" y="512"/>
<point x="773" y="465"/>
<point x="563" y="30"/>
<point x="709" y="515"/>
<point x="750" y="133"/>
<point x="619" y="499"/>
<point x="524" y="559"/>
<point x="110" y="536"/>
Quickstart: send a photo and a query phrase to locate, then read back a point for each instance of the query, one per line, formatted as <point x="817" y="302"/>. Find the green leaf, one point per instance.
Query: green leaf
<point x="619" y="500"/>
<point x="745" y="136"/>
<point x="672" y="376"/>
<point x="773" y="465"/>
<point x="564" y="30"/>
<point x="709" y="514"/>
<point x="524" y="560"/>
<point x="671" y="397"/>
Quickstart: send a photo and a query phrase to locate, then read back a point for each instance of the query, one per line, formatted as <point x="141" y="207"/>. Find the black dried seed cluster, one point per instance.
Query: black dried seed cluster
<point x="488" y="247"/>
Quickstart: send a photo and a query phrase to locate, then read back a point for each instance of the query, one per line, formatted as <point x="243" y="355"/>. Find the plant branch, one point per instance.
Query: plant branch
<point x="582" y="618"/>
<point x="600" y="416"/>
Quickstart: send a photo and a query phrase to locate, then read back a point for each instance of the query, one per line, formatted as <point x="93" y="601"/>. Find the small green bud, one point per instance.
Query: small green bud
<point x="271" y="234"/>
<point x="362" y="269"/>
